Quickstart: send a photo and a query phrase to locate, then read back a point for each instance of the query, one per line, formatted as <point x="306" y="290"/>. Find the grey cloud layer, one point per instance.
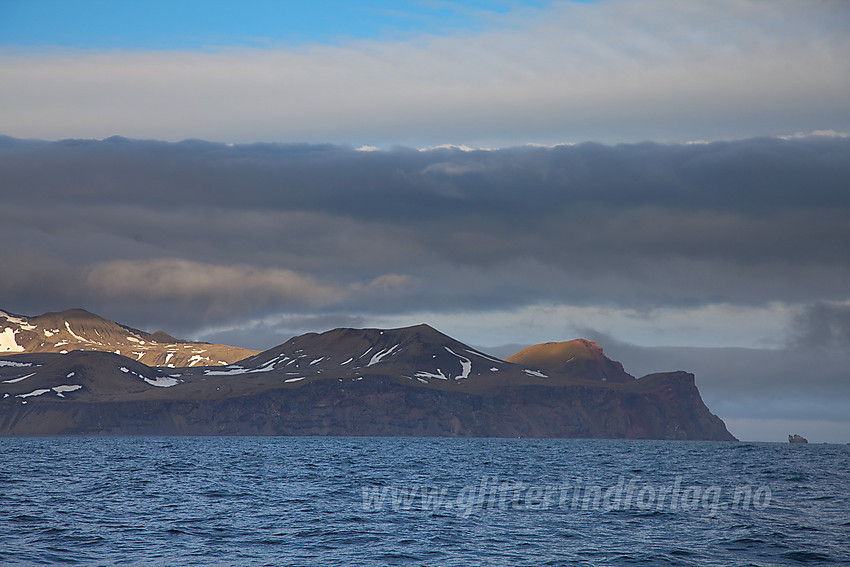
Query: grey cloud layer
<point x="608" y="71"/>
<point x="256" y="229"/>
<point x="823" y="325"/>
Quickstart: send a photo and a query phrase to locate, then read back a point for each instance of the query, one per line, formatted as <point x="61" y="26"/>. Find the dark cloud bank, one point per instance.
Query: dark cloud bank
<point x="183" y="235"/>
<point x="639" y="225"/>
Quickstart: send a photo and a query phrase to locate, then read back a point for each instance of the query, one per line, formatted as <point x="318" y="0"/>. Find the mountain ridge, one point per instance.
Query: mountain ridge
<point x="406" y="381"/>
<point x="78" y="329"/>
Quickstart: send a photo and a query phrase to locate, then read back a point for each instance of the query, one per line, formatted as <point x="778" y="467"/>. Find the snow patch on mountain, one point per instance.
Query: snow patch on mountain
<point x="270" y="364"/>
<point x="380" y="355"/>
<point x="535" y="373"/>
<point x="61" y="390"/>
<point x="38" y="392"/>
<point x="17" y="321"/>
<point x="161" y="382"/>
<point x="231" y="371"/>
<point x="15" y="380"/>
<point x="17" y="364"/>
<point x="465" y="364"/>
<point x="8" y="342"/>
<point x="78" y="337"/>
<point x="439" y="375"/>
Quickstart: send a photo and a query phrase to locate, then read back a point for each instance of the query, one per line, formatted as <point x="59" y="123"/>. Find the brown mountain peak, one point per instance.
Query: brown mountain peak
<point x="579" y="358"/>
<point x="78" y="329"/>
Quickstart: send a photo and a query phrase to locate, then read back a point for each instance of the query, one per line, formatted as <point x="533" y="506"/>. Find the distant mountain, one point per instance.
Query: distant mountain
<point x="411" y="381"/>
<point x="419" y="353"/>
<point x="579" y="358"/>
<point x="77" y="329"/>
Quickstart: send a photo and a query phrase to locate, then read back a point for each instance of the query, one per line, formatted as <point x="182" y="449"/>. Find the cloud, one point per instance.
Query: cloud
<point x="227" y="287"/>
<point x="195" y="231"/>
<point x="609" y="71"/>
<point x="827" y="133"/>
<point x="269" y="331"/>
<point x="822" y="325"/>
<point x="389" y="282"/>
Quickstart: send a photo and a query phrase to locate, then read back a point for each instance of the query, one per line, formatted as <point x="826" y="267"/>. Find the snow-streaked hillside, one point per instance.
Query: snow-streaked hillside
<point x="77" y="329"/>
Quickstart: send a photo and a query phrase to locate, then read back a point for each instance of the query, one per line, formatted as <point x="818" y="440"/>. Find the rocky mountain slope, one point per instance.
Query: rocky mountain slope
<point x="409" y="381"/>
<point x="579" y="358"/>
<point x="77" y="329"/>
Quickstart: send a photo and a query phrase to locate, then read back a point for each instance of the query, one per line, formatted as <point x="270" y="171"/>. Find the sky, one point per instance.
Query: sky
<point x="671" y="179"/>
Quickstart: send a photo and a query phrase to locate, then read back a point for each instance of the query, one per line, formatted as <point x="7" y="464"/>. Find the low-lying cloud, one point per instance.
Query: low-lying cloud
<point x="227" y="289"/>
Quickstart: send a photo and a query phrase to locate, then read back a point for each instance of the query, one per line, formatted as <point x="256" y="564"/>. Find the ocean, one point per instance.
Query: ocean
<point x="420" y="501"/>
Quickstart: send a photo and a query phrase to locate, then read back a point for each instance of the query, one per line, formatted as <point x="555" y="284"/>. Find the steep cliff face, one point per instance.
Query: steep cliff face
<point x="413" y="381"/>
<point x="666" y="407"/>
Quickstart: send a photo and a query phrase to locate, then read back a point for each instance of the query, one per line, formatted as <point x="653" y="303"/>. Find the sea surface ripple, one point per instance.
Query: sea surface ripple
<point x="413" y="501"/>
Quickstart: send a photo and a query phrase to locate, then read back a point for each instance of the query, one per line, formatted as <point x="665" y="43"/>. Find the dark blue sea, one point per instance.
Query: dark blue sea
<point x="406" y="501"/>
